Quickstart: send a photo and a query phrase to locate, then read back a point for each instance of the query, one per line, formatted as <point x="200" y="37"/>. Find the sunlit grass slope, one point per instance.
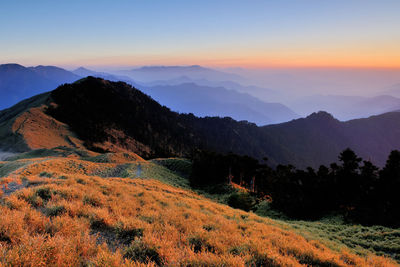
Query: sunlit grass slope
<point x="334" y="232"/>
<point x="70" y="211"/>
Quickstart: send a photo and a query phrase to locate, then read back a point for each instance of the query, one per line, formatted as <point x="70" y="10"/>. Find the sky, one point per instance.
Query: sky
<point x="220" y="33"/>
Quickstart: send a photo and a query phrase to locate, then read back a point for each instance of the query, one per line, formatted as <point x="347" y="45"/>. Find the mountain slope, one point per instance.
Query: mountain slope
<point x="61" y="211"/>
<point x="217" y="101"/>
<point x="113" y="116"/>
<point x="9" y="138"/>
<point x="18" y="82"/>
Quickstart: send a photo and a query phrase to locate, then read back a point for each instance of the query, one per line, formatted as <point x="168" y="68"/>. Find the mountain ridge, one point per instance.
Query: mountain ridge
<point x="219" y="101"/>
<point x="151" y="73"/>
<point x="108" y="115"/>
<point x="39" y="79"/>
<point x="347" y="107"/>
<point x="19" y="82"/>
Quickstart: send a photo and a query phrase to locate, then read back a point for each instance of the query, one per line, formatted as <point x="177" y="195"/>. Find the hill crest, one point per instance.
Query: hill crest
<point x="112" y="116"/>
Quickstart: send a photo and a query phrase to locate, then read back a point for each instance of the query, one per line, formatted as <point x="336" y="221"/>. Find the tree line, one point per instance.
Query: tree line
<point x="353" y="187"/>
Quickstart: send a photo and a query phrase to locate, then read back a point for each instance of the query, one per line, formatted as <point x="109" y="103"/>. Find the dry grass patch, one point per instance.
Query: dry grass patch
<point x="84" y="220"/>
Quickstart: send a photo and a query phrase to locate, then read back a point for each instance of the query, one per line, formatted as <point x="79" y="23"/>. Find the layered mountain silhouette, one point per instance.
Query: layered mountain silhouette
<point x="18" y="82"/>
<point x="206" y="100"/>
<point x="347" y="107"/>
<point x="393" y="90"/>
<point x="84" y="72"/>
<point x="154" y="73"/>
<point x="113" y="116"/>
<point x="273" y="95"/>
<point x="217" y="101"/>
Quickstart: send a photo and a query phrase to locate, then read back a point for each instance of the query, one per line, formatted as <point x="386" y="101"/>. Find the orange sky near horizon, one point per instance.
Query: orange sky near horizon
<point x="381" y="58"/>
<point x="226" y="33"/>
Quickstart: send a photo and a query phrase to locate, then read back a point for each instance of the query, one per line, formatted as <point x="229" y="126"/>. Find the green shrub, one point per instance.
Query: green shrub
<point x="127" y="235"/>
<point x="147" y="219"/>
<point x="97" y="223"/>
<point x="311" y="260"/>
<point x="241" y="200"/>
<point x="91" y="201"/>
<point x="240" y="250"/>
<point x="209" y="227"/>
<point x="4" y="237"/>
<point x="55" y="211"/>
<point x="46" y="174"/>
<point x="143" y="253"/>
<point x="44" y="193"/>
<point x="198" y="244"/>
<point x="261" y="260"/>
<point x="80" y="181"/>
<point x="32" y="200"/>
<point x="63" y="194"/>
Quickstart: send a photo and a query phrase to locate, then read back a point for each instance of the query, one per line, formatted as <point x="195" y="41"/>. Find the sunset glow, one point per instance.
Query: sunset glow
<point x="224" y="33"/>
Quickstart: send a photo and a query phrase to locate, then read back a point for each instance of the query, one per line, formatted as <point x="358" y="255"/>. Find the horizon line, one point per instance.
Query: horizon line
<point x="216" y="66"/>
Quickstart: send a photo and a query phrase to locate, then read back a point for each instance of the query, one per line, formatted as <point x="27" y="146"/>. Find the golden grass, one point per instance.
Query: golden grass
<point x="40" y="130"/>
<point x="74" y="218"/>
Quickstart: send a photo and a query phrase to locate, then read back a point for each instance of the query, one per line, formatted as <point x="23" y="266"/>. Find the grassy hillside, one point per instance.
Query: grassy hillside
<point x="72" y="210"/>
<point x="337" y="234"/>
<point x="10" y="140"/>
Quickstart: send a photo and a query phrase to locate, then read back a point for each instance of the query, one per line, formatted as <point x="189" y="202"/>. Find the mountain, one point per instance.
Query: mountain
<point x="217" y="101"/>
<point x="154" y="73"/>
<point x="204" y="82"/>
<point x="112" y="116"/>
<point x="319" y="138"/>
<point x="393" y="90"/>
<point x="189" y="97"/>
<point x="18" y="82"/>
<point x="268" y="94"/>
<point x="56" y="74"/>
<point x="84" y="72"/>
<point x="346" y="107"/>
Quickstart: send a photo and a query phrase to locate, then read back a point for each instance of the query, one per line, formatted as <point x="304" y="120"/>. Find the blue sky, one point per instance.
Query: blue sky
<point x="220" y="33"/>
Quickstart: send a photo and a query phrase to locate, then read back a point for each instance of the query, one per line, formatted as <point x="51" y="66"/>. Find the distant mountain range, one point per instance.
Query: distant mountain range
<point x="109" y="116"/>
<point x="18" y="82"/>
<point x="84" y="72"/>
<point x="393" y="90"/>
<point x="203" y="97"/>
<point x="347" y="107"/>
<point x="154" y="73"/>
<point x="198" y="90"/>
<point x="273" y="96"/>
<point x="219" y="101"/>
